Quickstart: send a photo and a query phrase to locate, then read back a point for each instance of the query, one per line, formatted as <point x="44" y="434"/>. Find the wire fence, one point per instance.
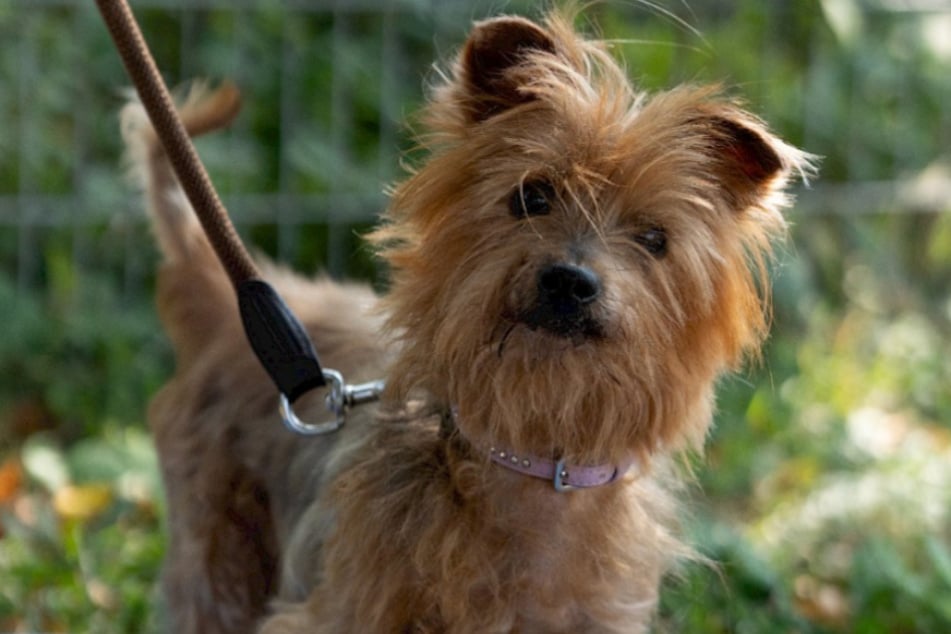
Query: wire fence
<point x="329" y="84"/>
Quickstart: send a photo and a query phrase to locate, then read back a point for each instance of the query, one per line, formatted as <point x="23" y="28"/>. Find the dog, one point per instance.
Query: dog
<point x="573" y="266"/>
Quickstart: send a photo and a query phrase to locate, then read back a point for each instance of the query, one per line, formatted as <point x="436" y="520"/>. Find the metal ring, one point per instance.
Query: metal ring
<point x="335" y="404"/>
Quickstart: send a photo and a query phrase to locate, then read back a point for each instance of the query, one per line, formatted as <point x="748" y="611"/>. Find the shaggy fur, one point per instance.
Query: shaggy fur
<point x="541" y="157"/>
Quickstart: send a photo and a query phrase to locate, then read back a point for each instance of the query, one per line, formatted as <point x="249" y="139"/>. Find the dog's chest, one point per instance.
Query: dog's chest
<point x="559" y="568"/>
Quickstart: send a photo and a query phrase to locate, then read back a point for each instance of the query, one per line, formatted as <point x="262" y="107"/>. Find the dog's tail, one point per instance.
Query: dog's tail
<point x="194" y="294"/>
<point x="202" y="110"/>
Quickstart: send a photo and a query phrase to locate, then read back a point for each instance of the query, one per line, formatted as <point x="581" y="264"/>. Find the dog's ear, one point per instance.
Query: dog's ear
<point x="747" y="158"/>
<point x="492" y="64"/>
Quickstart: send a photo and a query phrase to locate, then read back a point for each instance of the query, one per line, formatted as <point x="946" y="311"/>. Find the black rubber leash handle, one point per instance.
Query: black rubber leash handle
<point x="279" y="340"/>
<point x="277" y="337"/>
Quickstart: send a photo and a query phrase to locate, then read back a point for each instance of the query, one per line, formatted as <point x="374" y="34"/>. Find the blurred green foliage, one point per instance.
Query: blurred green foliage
<point x="823" y="500"/>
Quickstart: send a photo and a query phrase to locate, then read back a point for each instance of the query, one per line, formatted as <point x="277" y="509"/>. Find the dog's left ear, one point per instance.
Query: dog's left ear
<point x="492" y="64"/>
<point x="747" y="158"/>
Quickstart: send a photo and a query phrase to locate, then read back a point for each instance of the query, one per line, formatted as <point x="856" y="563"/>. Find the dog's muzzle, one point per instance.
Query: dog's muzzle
<point x="566" y="295"/>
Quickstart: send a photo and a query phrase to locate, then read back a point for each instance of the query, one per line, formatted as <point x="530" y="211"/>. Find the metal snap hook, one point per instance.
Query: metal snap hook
<point x="339" y="399"/>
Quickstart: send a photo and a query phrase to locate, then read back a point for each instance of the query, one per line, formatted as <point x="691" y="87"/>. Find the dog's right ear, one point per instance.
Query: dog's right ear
<point x="493" y="64"/>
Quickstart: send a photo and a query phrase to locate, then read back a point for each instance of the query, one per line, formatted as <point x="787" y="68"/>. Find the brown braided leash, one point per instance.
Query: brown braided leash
<point x="176" y="142"/>
<point x="280" y="342"/>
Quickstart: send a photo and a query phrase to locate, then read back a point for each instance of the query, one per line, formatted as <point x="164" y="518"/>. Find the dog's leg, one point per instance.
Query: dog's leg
<point x="221" y="563"/>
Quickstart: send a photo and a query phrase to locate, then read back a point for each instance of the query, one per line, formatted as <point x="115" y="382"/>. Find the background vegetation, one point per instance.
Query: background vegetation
<point x="826" y="489"/>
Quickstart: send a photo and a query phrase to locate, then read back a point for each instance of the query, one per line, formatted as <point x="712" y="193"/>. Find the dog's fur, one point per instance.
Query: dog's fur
<point x="540" y="155"/>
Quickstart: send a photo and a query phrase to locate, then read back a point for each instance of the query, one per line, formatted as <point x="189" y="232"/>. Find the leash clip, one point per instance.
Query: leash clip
<point x="338" y="401"/>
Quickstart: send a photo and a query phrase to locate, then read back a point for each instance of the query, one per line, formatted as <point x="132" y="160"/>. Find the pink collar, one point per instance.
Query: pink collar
<point x="562" y="475"/>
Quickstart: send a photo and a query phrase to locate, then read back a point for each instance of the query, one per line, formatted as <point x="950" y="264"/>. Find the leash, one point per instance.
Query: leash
<point x="279" y="340"/>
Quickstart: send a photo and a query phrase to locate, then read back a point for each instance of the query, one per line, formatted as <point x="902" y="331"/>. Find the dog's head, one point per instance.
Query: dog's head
<point x="577" y="261"/>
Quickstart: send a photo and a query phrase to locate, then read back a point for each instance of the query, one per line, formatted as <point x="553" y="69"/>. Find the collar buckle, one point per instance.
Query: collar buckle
<point x="559" y="477"/>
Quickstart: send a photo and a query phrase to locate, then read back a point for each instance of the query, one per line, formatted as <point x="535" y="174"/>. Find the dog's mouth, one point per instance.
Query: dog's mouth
<point x="577" y="326"/>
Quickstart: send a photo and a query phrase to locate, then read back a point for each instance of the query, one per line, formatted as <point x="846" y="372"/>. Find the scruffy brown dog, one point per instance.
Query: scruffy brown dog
<point x="572" y="268"/>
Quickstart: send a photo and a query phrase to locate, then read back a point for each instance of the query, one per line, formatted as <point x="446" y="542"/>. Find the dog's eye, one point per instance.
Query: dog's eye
<point x="532" y="199"/>
<point x="654" y="241"/>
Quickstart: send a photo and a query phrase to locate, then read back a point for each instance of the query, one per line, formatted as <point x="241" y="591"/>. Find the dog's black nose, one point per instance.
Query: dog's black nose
<point x="564" y="303"/>
<point x="568" y="286"/>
